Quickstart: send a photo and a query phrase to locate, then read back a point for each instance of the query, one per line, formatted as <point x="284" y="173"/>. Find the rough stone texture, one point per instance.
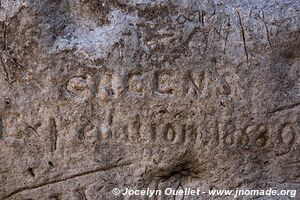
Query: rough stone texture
<point x="97" y="95"/>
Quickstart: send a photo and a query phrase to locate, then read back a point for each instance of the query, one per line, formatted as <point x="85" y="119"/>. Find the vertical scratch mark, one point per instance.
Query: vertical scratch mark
<point x="4" y="37"/>
<point x="110" y="116"/>
<point x="226" y="40"/>
<point x="267" y="29"/>
<point x="53" y="134"/>
<point x="250" y="13"/>
<point x="243" y="34"/>
<point x="7" y="74"/>
<point x="138" y="126"/>
<point x="1" y="129"/>
<point x="202" y="17"/>
<point x="227" y="34"/>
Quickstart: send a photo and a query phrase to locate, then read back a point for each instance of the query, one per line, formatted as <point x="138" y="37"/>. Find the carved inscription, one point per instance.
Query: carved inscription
<point x="76" y="84"/>
<point x="281" y="138"/>
<point x="163" y="83"/>
<point x="169" y="84"/>
<point x="134" y="83"/>
<point x="193" y="83"/>
<point x="286" y="138"/>
<point x="251" y="137"/>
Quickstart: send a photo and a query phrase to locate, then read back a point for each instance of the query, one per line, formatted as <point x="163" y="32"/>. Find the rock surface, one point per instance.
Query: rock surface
<point x="97" y="95"/>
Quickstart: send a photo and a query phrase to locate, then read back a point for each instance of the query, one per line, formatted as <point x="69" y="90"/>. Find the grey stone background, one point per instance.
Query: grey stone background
<point x="96" y="95"/>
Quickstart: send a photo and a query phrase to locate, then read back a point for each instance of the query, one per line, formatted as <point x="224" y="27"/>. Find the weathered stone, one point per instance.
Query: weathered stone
<point x="97" y="95"/>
